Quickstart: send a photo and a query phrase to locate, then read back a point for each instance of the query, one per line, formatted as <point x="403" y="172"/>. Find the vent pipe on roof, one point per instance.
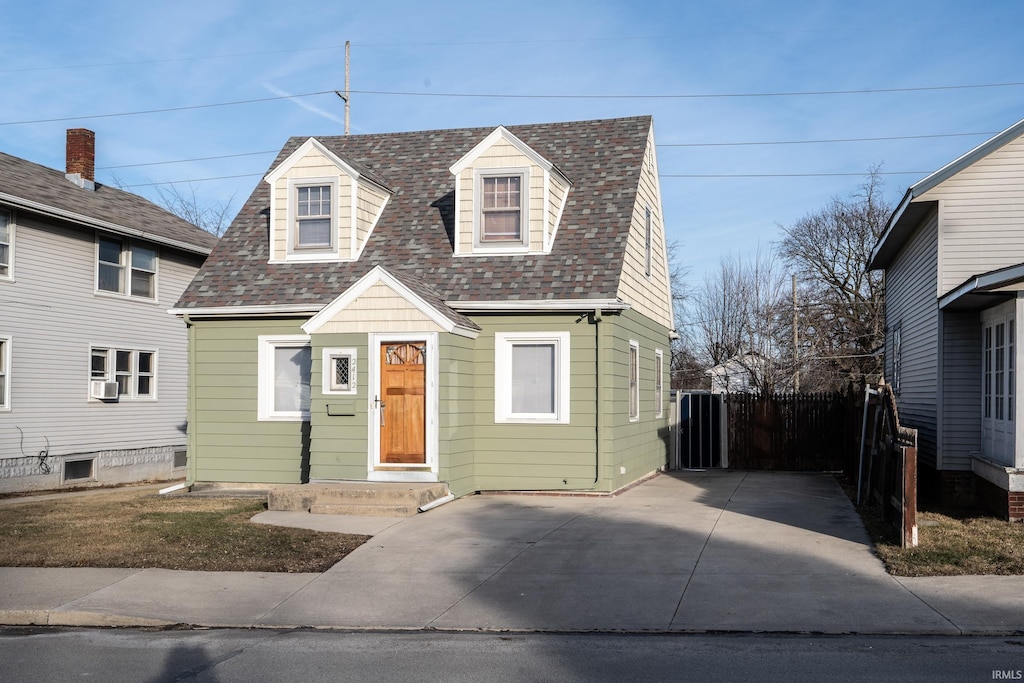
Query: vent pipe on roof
<point x="81" y="158"/>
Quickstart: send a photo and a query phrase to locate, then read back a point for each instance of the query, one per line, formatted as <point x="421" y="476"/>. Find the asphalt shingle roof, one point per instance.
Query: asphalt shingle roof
<point x="414" y="237"/>
<point x="25" y="183"/>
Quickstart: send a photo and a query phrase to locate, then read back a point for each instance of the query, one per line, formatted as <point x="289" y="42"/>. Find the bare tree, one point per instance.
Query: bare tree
<point x="739" y="319"/>
<point x="213" y="218"/>
<point x="842" y="317"/>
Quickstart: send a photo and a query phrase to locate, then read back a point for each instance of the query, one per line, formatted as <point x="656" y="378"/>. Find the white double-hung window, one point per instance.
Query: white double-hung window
<point x="6" y="245"/>
<point x="502" y="215"/>
<point x="285" y="367"/>
<point x="531" y="377"/>
<point x="5" y="373"/>
<point x="124" y="267"/>
<point x="133" y="370"/>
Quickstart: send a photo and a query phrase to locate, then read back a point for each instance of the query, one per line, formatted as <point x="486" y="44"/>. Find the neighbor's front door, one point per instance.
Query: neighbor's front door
<point x="403" y="403"/>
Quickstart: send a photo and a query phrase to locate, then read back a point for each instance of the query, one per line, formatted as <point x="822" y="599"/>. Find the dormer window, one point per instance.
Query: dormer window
<point x="322" y="209"/>
<point x="508" y="198"/>
<point x="313" y="223"/>
<point x="502" y="209"/>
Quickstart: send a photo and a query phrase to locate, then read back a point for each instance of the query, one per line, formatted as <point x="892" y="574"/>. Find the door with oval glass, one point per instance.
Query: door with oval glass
<point x="403" y="403"/>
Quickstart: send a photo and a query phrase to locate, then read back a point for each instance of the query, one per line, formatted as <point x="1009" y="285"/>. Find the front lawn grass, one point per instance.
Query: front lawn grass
<point x="952" y="544"/>
<point x="138" y="528"/>
<point x="949" y="543"/>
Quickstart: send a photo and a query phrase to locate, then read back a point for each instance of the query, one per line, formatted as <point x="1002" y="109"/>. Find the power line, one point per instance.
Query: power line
<point x="783" y="175"/>
<point x="193" y="180"/>
<point x="677" y="96"/>
<point x="184" y="161"/>
<point x="818" y="142"/>
<point x="168" y="109"/>
<point x="602" y="96"/>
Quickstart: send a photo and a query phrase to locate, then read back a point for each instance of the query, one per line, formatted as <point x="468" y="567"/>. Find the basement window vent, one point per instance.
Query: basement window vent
<point x="180" y="458"/>
<point x="77" y="470"/>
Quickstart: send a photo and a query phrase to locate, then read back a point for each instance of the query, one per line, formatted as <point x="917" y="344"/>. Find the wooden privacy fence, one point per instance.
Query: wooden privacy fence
<point x="796" y="432"/>
<point x="832" y="432"/>
<point x="886" y="471"/>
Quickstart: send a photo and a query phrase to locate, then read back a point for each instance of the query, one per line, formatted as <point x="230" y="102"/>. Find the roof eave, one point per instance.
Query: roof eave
<point x="54" y="212"/>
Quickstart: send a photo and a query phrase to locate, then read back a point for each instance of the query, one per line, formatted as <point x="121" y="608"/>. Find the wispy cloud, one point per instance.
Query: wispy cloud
<point x="303" y="104"/>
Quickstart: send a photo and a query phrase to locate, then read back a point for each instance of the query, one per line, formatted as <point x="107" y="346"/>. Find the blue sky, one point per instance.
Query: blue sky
<point x="713" y="75"/>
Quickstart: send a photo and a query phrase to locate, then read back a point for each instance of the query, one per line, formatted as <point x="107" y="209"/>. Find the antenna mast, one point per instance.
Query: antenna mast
<point x="346" y="85"/>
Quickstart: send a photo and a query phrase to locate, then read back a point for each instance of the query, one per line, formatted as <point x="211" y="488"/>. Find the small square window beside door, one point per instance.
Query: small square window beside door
<point x="339" y="371"/>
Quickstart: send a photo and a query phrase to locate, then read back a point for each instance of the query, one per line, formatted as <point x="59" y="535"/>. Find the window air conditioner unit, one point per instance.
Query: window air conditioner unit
<point x="102" y="390"/>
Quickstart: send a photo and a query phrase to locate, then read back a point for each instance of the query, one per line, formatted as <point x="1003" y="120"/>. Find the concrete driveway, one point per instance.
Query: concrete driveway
<point x="687" y="551"/>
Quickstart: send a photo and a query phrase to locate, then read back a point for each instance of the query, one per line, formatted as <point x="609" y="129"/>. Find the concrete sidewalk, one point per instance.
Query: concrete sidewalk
<point x="690" y="551"/>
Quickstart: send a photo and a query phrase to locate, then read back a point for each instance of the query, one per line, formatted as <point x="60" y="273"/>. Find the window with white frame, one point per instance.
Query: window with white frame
<point x="125" y="267"/>
<point x="6" y="245"/>
<point x="531" y="377"/>
<point x="648" y="251"/>
<point x="5" y="373"/>
<point x="998" y="369"/>
<point x="634" y="380"/>
<point x="659" y="386"/>
<point x="501" y="218"/>
<point x="339" y="371"/>
<point x="133" y="370"/>
<point x="313" y="217"/>
<point x="897" y="357"/>
<point x="284" y="377"/>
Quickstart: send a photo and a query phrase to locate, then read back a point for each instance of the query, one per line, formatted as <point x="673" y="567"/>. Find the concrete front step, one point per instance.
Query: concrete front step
<point x="380" y="499"/>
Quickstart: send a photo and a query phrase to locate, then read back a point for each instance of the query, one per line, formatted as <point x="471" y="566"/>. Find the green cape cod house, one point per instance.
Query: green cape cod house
<point x="485" y="308"/>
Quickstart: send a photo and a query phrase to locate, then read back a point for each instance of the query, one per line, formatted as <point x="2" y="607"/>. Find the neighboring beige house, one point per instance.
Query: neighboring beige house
<point x="92" y="368"/>
<point x="487" y="308"/>
<point x="953" y="255"/>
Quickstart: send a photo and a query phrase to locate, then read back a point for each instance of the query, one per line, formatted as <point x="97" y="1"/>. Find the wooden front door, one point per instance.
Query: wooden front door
<point x="403" y="403"/>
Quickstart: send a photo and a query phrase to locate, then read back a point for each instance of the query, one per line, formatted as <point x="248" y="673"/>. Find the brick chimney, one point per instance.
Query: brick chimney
<point x="81" y="157"/>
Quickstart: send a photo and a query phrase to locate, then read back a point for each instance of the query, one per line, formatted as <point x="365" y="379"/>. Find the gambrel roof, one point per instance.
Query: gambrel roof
<point x="414" y="238"/>
<point x="31" y="187"/>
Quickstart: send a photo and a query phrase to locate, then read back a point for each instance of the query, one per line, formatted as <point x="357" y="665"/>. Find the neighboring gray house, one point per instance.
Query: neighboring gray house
<point x="953" y="255"/>
<point x="92" y="367"/>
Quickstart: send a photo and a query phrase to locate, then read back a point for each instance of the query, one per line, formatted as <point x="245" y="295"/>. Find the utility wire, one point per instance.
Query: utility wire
<point x="602" y="96"/>
<point x="819" y="142"/>
<point x="185" y="161"/>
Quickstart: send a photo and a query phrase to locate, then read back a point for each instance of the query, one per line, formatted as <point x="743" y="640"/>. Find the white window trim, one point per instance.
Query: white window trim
<point x="328" y="253"/>
<point x="659" y="383"/>
<point x="126" y="254"/>
<point x="503" y="343"/>
<point x="5" y="365"/>
<point x="10" y="246"/>
<point x="327" y="371"/>
<point x="479" y="245"/>
<point x="111" y="372"/>
<point x="265" y="390"/>
<point x="633" y="364"/>
<point x="648" y="246"/>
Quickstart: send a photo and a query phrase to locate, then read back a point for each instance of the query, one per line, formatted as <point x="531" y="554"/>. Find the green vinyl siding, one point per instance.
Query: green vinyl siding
<point x="457" y="419"/>
<point x="640" y="446"/>
<point x="228" y="442"/>
<point x="537" y="456"/>
<point x="338" y="444"/>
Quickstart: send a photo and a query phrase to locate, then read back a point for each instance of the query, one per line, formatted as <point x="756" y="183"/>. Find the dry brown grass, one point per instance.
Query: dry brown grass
<point x="948" y="545"/>
<point x="137" y="528"/>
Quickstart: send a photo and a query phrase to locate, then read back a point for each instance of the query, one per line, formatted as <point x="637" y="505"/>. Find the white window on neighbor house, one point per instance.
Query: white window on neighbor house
<point x="339" y="371"/>
<point x="125" y="267"/>
<point x="897" y="358"/>
<point x="648" y="251"/>
<point x="659" y="385"/>
<point x="531" y="377"/>
<point x="6" y="245"/>
<point x="285" y="368"/>
<point x="502" y="214"/>
<point x="634" y="380"/>
<point x="5" y="373"/>
<point x="133" y="371"/>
